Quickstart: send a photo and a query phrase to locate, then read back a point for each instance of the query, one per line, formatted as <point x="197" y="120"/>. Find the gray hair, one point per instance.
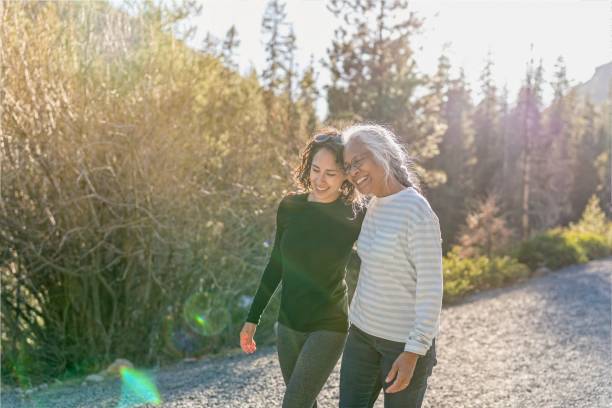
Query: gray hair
<point x="386" y="150"/>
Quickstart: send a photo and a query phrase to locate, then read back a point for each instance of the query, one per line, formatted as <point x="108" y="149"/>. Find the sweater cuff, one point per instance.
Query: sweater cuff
<point x="252" y="319"/>
<point x="416" y="347"/>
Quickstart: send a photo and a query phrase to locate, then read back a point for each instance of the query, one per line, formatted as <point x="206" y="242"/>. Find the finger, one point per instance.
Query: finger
<point x="392" y="373"/>
<point x="399" y="384"/>
<point x="250" y="346"/>
<point x="396" y="387"/>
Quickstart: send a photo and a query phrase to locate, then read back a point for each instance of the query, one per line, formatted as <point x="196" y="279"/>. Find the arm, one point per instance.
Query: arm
<point x="268" y="284"/>
<point x="271" y="276"/>
<point x="425" y="248"/>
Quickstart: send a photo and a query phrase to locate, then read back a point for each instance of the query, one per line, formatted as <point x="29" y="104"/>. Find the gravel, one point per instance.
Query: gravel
<point x="544" y="342"/>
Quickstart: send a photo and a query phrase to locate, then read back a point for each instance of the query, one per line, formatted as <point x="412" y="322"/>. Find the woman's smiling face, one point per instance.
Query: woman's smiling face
<point x="326" y="176"/>
<point x="362" y="170"/>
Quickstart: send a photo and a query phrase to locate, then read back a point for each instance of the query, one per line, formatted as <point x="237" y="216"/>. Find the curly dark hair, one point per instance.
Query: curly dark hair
<point x="327" y="138"/>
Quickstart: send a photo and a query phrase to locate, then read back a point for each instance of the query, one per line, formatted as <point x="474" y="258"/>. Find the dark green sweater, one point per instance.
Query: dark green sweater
<point x="312" y="247"/>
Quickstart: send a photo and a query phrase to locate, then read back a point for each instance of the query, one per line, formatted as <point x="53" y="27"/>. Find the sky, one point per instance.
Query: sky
<point x="512" y="31"/>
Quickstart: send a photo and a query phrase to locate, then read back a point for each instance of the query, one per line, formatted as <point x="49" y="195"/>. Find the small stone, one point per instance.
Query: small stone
<point x="94" y="378"/>
<point x="542" y="270"/>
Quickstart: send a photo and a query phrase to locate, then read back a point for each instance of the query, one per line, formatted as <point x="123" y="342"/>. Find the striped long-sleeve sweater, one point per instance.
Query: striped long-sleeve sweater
<point x="399" y="291"/>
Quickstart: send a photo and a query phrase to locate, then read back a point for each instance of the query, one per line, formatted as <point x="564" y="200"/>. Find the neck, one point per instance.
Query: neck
<point x="313" y="198"/>
<point x="391" y="187"/>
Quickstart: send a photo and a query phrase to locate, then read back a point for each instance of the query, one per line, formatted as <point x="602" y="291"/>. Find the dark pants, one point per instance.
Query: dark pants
<point x="365" y="364"/>
<point x="306" y="360"/>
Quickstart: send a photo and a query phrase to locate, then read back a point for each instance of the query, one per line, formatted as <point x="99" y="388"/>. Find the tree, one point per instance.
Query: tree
<point x="485" y="231"/>
<point x="457" y="155"/>
<point x="527" y="119"/>
<point x="487" y="135"/>
<point x="279" y="38"/>
<point x="556" y="168"/>
<point x="278" y="76"/>
<point x="589" y="157"/>
<point x="229" y="47"/>
<point x="374" y="76"/>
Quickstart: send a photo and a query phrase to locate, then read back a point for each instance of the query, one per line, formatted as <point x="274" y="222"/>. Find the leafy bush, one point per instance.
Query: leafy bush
<point x="136" y="173"/>
<point x="550" y="249"/>
<point x="464" y="275"/>
<point x="589" y="244"/>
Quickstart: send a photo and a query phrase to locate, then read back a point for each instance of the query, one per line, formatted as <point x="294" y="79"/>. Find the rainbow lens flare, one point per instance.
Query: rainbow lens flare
<point x="137" y="388"/>
<point x="204" y="316"/>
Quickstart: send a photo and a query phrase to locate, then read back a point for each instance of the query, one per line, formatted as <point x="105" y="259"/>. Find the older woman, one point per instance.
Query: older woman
<point x="395" y="311"/>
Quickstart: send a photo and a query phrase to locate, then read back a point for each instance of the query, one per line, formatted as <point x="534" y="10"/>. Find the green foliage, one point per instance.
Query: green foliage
<point x="464" y="275"/>
<point x="138" y="173"/>
<point x="590" y="245"/>
<point x="589" y="239"/>
<point x="593" y="219"/>
<point x="550" y="249"/>
<point x="374" y="76"/>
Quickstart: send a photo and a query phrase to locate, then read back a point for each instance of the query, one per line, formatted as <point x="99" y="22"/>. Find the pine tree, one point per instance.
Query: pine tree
<point x="374" y="76"/>
<point x="280" y="48"/>
<point x="527" y="119"/>
<point x="487" y="136"/>
<point x="278" y="76"/>
<point x="588" y="151"/>
<point x="556" y="166"/>
<point x="229" y="47"/>
<point x="308" y="95"/>
<point x="457" y="155"/>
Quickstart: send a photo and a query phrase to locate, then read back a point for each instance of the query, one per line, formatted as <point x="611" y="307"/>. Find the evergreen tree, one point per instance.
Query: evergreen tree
<point x="280" y="48"/>
<point x="374" y="76"/>
<point x="308" y="94"/>
<point x="457" y="156"/>
<point x="588" y="151"/>
<point x="487" y="136"/>
<point x="229" y="47"/>
<point x="527" y="119"/>
<point x="278" y="76"/>
<point x="556" y="168"/>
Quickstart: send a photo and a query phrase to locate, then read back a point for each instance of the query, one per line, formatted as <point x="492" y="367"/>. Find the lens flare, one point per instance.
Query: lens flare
<point x="181" y="340"/>
<point x="137" y="388"/>
<point x="205" y="316"/>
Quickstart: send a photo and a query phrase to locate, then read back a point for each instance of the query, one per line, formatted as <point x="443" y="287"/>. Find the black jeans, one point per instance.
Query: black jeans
<point x="366" y="361"/>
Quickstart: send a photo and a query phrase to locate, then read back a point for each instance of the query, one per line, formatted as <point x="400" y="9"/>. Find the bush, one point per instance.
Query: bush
<point x="138" y="173"/>
<point x="550" y="249"/>
<point x="589" y="244"/>
<point x="465" y="275"/>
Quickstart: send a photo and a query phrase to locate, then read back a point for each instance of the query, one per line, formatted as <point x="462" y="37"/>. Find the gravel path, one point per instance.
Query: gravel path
<point x="541" y="343"/>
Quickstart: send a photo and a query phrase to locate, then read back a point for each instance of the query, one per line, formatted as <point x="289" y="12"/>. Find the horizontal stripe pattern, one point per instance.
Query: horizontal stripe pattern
<point x="399" y="291"/>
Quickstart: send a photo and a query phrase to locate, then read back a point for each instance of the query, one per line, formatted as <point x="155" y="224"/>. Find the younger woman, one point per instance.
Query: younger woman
<point x="315" y="233"/>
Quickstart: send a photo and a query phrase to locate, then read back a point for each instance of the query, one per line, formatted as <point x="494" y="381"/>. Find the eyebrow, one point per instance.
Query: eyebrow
<point x="358" y="157"/>
<point x="328" y="170"/>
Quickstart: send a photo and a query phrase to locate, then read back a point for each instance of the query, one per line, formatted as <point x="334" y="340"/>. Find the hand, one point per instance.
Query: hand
<point x="402" y="370"/>
<point x="246" y="337"/>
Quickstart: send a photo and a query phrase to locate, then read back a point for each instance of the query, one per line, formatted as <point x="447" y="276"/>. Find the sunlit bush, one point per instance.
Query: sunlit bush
<point x="465" y="275"/>
<point x="136" y="172"/>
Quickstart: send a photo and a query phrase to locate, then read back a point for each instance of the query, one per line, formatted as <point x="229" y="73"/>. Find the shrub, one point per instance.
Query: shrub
<point x="589" y="244"/>
<point x="464" y="275"/>
<point x="550" y="249"/>
<point x="485" y="231"/>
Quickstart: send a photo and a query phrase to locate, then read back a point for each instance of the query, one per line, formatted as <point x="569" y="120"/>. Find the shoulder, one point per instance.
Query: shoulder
<point x="416" y="206"/>
<point x="291" y="201"/>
